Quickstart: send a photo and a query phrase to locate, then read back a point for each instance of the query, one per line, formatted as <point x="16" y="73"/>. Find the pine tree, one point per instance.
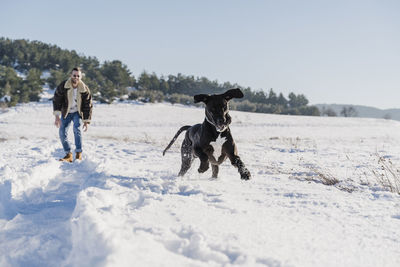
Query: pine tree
<point x="282" y="101"/>
<point x="272" y="98"/>
<point x="144" y="82"/>
<point x="34" y="84"/>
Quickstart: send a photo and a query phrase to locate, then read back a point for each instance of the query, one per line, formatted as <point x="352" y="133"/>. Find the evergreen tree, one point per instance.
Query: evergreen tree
<point x="56" y="77"/>
<point x="282" y="101"/>
<point x="272" y="98"/>
<point x="348" y="112"/>
<point x="108" y="92"/>
<point x="259" y="97"/>
<point x="297" y="101"/>
<point x="302" y="100"/>
<point x="144" y="82"/>
<point x="154" y="82"/>
<point x="6" y="92"/>
<point x="164" y="85"/>
<point x="117" y="73"/>
<point x="34" y="84"/>
<point x="9" y="77"/>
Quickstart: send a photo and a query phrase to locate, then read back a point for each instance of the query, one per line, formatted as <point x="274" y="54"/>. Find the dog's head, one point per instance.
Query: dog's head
<point x="217" y="107"/>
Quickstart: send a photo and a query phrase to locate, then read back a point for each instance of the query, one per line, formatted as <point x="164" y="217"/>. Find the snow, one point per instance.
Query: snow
<point x="45" y="74"/>
<point x="5" y="98"/>
<point x="21" y="74"/>
<point x="47" y="93"/>
<point x="123" y="204"/>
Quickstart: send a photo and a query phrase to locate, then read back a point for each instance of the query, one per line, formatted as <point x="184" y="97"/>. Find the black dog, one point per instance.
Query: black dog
<point x="211" y="141"/>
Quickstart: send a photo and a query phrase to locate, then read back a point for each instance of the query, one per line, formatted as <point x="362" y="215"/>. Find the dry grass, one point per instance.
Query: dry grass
<point x="315" y="174"/>
<point x="387" y="174"/>
<point x="326" y="178"/>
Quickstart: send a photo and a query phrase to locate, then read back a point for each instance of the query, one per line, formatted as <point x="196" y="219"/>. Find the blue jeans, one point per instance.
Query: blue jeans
<point x="65" y="123"/>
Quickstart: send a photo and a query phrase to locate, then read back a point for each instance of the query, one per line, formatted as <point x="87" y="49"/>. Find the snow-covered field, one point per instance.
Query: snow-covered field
<point x="123" y="204"/>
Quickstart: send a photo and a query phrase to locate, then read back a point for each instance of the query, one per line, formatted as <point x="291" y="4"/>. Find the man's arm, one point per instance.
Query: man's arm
<point x="57" y="104"/>
<point x="58" y="99"/>
<point x="87" y="107"/>
<point x="57" y="121"/>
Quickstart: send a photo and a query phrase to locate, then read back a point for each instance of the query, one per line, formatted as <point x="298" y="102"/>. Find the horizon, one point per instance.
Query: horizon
<point x="331" y="52"/>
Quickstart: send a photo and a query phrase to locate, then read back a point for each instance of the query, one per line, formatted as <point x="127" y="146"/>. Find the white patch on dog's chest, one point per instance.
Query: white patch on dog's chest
<point x="217" y="145"/>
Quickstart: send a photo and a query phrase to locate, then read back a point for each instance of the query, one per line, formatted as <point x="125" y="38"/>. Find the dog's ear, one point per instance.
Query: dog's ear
<point x="201" y="98"/>
<point x="233" y="93"/>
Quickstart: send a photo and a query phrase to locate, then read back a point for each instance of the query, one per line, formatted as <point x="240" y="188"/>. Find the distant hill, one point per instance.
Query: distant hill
<point x="363" y="111"/>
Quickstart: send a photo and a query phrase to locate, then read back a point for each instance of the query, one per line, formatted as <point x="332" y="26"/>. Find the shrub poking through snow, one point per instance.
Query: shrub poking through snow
<point x="315" y="174"/>
<point x="326" y="178"/>
<point x="387" y="175"/>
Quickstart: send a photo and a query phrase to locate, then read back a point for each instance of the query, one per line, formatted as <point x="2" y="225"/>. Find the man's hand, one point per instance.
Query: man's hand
<point x="57" y="122"/>
<point x="85" y="126"/>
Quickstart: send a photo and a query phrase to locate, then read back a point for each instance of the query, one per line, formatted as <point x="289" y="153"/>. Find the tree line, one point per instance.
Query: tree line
<point x="23" y="63"/>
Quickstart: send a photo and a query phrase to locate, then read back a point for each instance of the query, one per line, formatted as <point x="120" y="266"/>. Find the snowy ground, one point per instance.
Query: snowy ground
<point x="123" y="204"/>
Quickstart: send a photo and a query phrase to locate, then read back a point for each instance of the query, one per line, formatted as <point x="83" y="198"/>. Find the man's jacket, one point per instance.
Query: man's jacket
<point x="63" y="99"/>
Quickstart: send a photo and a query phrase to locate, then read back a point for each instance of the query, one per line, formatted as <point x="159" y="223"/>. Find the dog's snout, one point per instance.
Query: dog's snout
<point x="220" y="121"/>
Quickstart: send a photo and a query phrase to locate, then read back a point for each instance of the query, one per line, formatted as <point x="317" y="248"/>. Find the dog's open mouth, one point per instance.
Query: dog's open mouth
<point x="221" y="128"/>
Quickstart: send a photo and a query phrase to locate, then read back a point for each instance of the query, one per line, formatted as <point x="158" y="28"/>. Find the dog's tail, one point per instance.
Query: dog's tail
<point x="183" y="128"/>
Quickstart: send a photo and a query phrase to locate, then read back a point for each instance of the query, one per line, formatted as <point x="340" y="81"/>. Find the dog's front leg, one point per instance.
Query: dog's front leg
<point x="231" y="151"/>
<point x="204" y="163"/>
<point x="244" y="172"/>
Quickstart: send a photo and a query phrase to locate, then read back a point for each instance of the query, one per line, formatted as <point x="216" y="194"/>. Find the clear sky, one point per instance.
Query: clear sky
<point x="344" y="52"/>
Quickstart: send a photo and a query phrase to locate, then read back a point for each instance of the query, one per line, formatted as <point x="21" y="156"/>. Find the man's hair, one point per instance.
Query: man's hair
<point x="76" y="69"/>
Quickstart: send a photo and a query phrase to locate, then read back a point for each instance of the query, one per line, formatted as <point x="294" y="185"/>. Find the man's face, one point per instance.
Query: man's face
<point x="76" y="76"/>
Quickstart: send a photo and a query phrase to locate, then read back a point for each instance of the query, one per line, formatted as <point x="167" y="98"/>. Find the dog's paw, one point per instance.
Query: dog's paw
<point x="245" y="175"/>
<point x="203" y="167"/>
<point x="203" y="170"/>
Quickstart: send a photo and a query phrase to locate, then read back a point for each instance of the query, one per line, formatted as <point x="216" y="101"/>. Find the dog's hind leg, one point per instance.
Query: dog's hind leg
<point x="187" y="157"/>
<point x="204" y="162"/>
<point x="215" y="169"/>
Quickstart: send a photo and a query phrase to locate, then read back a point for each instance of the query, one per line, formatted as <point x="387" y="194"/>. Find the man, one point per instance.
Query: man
<point x="73" y="101"/>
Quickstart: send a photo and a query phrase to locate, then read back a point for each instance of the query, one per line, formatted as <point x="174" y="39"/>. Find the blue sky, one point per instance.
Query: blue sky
<point x="345" y="52"/>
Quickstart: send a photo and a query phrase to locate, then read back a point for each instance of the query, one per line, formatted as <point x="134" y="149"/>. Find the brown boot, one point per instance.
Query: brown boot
<point x="67" y="158"/>
<point x="78" y="156"/>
